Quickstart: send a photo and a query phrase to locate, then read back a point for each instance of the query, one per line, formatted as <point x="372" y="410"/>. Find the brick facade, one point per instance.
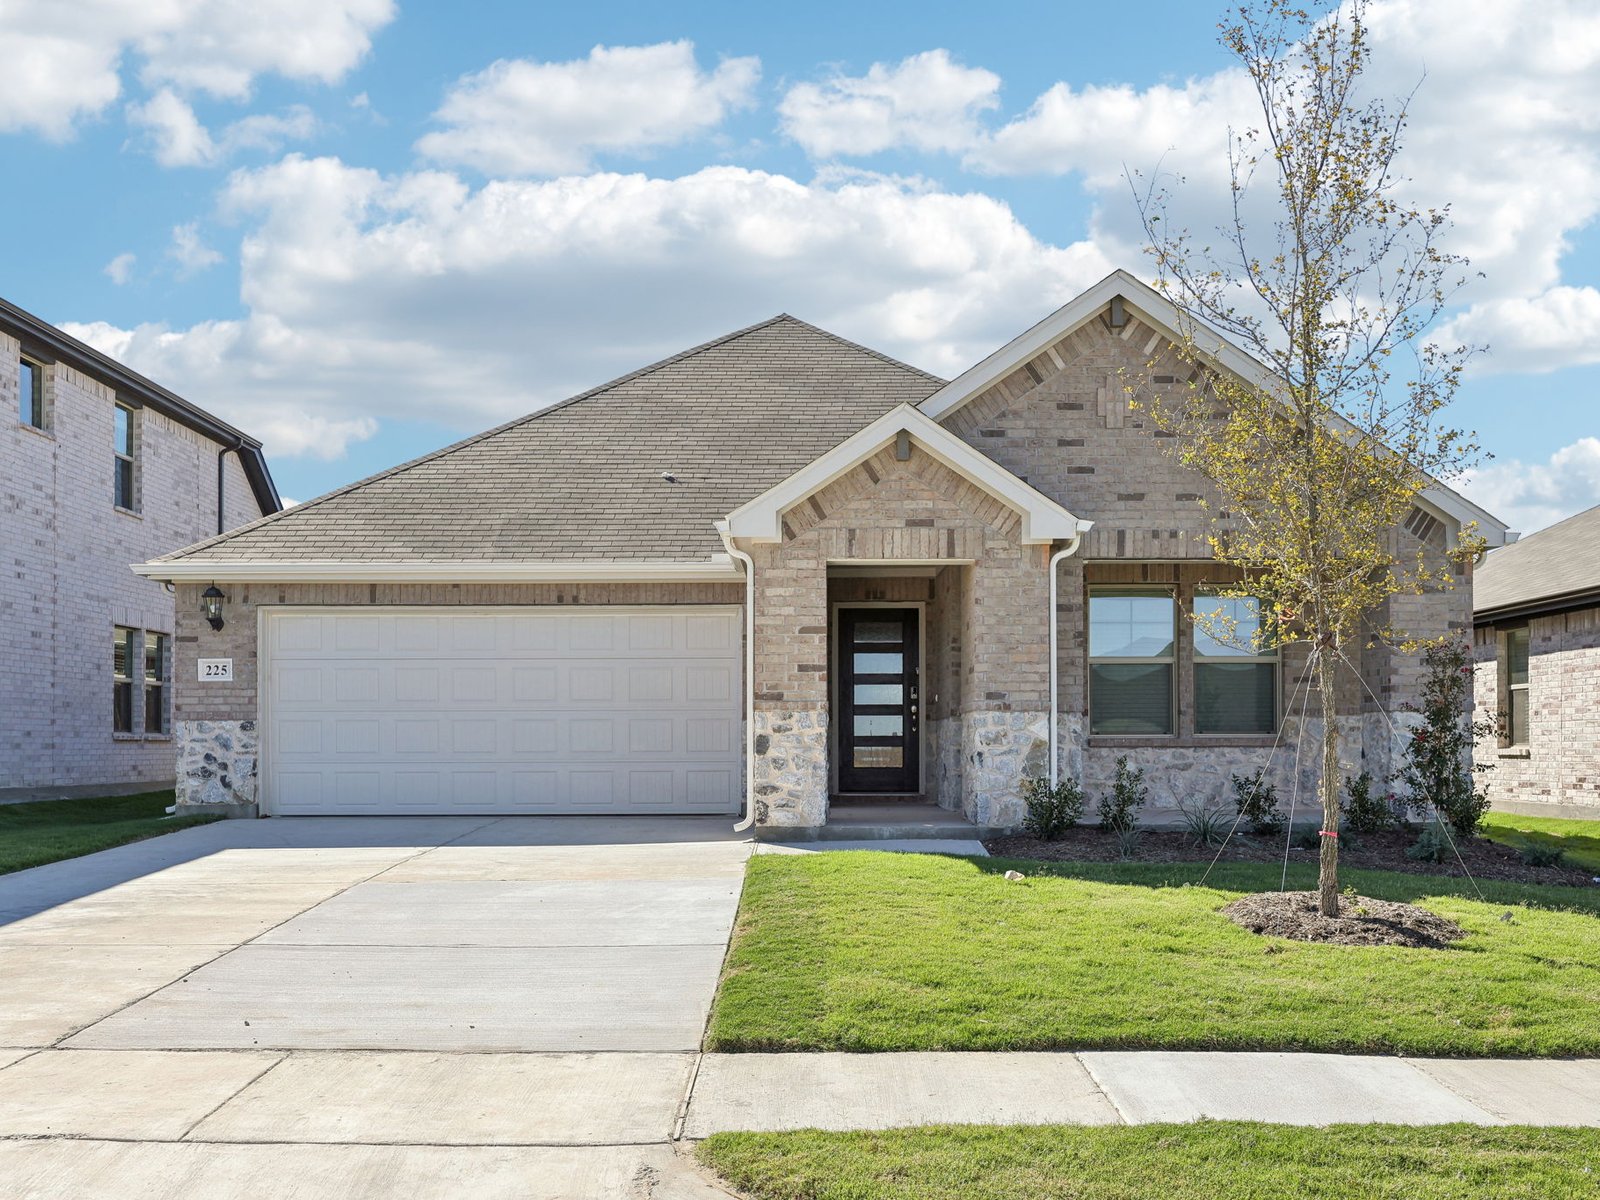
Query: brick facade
<point x="66" y="583"/>
<point x="1558" y="771"/>
<point x="1063" y="423"/>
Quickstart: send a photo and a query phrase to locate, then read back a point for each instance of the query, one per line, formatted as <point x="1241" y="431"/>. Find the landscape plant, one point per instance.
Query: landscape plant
<point x="1437" y="767"/>
<point x="1204" y="823"/>
<point x="1318" y="459"/>
<point x="1363" y="811"/>
<point x="1119" y="808"/>
<point x="1256" y="802"/>
<point x="1051" y="809"/>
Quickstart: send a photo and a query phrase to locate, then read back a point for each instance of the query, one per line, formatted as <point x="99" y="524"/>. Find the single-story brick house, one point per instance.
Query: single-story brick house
<point x="1536" y="635"/>
<point x="780" y="557"/>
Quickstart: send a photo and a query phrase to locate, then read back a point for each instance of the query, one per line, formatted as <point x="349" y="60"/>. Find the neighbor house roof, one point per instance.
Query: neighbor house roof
<point x="1556" y="568"/>
<point x="587" y="480"/>
<point x="1162" y="314"/>
<point x="39" y="337"/>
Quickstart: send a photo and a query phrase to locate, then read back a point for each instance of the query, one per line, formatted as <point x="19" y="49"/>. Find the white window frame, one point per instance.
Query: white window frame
<point x="129" y="678"/>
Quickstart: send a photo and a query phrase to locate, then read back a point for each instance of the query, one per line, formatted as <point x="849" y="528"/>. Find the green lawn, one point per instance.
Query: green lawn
<point x="49" y="830"/>
<point x="863" y="951"/>
<point x="1579" y="841"/>
<point x="1208" y="1160"/>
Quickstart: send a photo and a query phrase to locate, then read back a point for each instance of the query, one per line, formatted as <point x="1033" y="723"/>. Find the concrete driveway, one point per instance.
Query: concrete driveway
<point x="352" y="1007"/>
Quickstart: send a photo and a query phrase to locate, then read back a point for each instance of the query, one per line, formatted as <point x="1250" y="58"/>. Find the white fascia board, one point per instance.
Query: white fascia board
<point x="1043" y="520"/>
<point x="718" y="568"/>
<point x="1161" y="313"/>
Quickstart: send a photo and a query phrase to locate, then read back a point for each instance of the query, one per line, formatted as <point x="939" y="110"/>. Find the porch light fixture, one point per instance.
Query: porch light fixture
<point x="211" y="604"/>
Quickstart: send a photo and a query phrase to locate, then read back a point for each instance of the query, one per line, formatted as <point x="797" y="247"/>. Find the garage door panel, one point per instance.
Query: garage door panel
<point x="576" y="710"/>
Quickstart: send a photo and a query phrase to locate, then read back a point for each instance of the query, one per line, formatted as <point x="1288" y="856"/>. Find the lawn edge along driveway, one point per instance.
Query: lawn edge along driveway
<point x="1208" y="1160"/>
<point x="869" y="952"/>
<point x="37" y="832"/>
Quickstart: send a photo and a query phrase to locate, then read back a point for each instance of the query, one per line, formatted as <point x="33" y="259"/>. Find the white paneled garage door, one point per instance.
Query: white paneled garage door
<point x="501" y="710"/>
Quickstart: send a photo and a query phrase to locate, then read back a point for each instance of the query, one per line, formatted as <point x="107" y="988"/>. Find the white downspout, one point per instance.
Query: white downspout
<point x="1066" y="551"/>
<point x="749" y="677"/>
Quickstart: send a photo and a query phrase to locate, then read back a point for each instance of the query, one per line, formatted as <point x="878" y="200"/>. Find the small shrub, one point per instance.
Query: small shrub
<point x="1438" y="770"/>
<point x="1119" y="808"/>
<point x="1536" y="855"/>
<point x="1431" y="846"/>
<point x="1051" y="810"/>
<point x="1128" y="842"/>
<point x="1364" y="812"/>
<point x="1204" y="823"/>
<point x="1308" y="839"/>
<point x="1257" y="803"/>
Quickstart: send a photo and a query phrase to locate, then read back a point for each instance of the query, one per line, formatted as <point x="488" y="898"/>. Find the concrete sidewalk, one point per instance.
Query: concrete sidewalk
<point x="770" y="1092"/>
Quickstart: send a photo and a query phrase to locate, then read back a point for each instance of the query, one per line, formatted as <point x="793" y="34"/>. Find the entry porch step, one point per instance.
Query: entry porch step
<point x="853" y="820"/>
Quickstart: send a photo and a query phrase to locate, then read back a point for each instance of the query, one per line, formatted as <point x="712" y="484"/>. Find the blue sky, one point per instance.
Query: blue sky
<point x="341" y="225"/>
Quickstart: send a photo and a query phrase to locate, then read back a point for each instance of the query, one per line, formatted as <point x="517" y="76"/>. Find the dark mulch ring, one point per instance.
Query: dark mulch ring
<point x="1376" y="852"/>
<point x="1362" y="921"/>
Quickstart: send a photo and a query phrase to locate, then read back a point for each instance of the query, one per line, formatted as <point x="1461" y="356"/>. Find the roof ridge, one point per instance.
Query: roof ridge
<point x="844" y="341"/>
<point x="524" y="419"/>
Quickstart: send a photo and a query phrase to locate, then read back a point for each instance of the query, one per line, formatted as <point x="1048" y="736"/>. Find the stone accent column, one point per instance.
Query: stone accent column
<point x="790" y="787"/>
<point x="217" y="766"/>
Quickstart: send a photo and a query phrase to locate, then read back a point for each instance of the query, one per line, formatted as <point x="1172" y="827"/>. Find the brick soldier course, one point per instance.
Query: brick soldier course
<point x="942" y="511"/>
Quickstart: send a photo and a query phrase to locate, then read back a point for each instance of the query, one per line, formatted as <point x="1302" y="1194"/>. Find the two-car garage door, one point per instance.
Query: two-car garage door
<point x="501" y="710"/>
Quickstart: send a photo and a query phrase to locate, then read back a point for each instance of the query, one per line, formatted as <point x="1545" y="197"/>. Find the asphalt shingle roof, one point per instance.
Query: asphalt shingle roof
<point x="582" y="480"/>
<point x="1563" y="560"/>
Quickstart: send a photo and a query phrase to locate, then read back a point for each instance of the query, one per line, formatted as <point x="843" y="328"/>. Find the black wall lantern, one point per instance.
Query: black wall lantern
<point x="211" y="604"/>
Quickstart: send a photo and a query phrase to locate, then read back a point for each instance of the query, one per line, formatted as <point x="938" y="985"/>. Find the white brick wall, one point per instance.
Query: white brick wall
<point x="65" y="551"/>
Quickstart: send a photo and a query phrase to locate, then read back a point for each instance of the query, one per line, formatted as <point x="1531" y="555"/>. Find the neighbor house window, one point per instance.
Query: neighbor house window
<point x="30" y="394"/>
<point x="1131" y="642"/>
<point x="124" y="462"/>
<point x="1235" y="676"/>
<point x="155" y="683"/>
<point x="1516" y="688"/>
<point x="124" y="662"/>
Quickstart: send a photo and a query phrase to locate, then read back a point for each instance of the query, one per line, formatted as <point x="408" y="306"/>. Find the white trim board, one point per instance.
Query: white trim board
<point x="719" y="568"/>
<point x="1043" y="520"/>
<point x="1151" y="307"/>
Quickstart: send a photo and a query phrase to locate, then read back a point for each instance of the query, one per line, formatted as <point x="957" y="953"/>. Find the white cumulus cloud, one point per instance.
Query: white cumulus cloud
<point x="65" y="61"/>
<point x="1530" y="496"/>
<point x="191" y="253"/>
<point x="178" y="139"/>
<point x="418" y="296"/>
<point x="120" y="269"/>
<point x="926" y="102"/>
<point x="1559" y="327"/>
<point x="518" y="117"/>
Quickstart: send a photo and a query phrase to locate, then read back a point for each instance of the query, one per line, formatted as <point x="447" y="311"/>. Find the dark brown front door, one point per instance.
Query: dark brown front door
<point x="878" y="700"/>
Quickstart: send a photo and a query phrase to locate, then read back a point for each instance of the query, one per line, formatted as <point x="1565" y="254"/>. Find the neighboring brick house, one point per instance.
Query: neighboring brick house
<point x="778" y="557"/>
<point x="1536" y="624"/>
<point x="99" y="469"/>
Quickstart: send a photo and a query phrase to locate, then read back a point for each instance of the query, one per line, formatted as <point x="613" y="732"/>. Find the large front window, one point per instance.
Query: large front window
<point x="1132" y="635"/>
<point x="1235" y="667"/>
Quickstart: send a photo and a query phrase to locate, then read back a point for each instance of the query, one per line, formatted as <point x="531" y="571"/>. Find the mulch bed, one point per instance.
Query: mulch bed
<point x="1376" y="852"/>
<point x="1362" y="921"/>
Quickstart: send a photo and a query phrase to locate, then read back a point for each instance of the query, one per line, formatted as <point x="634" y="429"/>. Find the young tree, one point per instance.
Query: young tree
<point x="1317" y="462"/>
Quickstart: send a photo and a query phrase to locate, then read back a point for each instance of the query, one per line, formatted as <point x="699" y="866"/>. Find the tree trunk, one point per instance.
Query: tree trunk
<point x="1328" y="859"/>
